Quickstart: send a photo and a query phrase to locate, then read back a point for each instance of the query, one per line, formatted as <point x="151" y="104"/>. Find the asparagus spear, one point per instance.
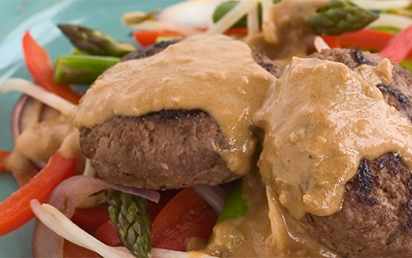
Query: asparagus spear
<point x="81" y="69"/>
<point x="128" y="213"/>
<point x="95" y="42"/>
<point x="76" y="51"/>
<point x="336" y="18"/>
<point x="340" y="17"/>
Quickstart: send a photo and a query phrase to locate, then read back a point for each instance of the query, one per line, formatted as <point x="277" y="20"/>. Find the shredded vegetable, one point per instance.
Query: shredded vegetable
<point x="64" y="227"/>
<point x="232" y="16"/>
<point x="38" y="93"/>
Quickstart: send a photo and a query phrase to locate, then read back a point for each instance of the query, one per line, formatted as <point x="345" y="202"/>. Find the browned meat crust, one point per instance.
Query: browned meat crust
<point x="268" y="64"/>
<point x="162" y="150"/>
<point x="149" y="50"/>
<point x="376" y="215"/>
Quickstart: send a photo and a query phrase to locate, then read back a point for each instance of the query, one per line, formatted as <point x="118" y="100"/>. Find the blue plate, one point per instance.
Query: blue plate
<point x="40" y="17"/>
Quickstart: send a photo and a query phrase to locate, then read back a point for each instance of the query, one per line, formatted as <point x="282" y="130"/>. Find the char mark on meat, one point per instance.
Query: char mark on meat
<point x="149" y="50"/>
<point x="361" y="59"/>
<point x="365" y="179"/>
<point x="394" y="92"/>
<point x="375" y="219"/>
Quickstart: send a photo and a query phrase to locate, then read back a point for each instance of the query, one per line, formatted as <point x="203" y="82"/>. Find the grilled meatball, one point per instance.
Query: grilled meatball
<point x="161" y="150"/>
<point x="376" y="215"/>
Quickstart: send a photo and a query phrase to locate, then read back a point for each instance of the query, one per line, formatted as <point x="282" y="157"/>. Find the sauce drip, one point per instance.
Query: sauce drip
<point x="38" y="142"/>
<point x="245" y="236"/>
<point x="266" y="230"/>
<point x="212" y="73"/>
<point x="320" y="119"/>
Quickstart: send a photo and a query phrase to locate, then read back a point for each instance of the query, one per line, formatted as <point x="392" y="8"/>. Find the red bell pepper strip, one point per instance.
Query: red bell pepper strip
<point x="232" y="31"/>
<point x="107" y="233"/>
<point x="3" y="159"/>
<point x="146" y="38"/>
<point x="237" y="31"/>
<point x="71" y="250"/>
<point x="365" y="38"/>
<point x="186" y="215"/>
<point x="15" y="210"/>
<point x="90" y="219"/>
<point x="399" y="48"/>
<point x="369" y="39"/>
<point x="39" y="65"/>
<point x="332" y="41"/>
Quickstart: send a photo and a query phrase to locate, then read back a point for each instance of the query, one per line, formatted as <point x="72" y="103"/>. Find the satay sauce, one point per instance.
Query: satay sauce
<point x="215" y="74"/>
<point x="320" y="118"/>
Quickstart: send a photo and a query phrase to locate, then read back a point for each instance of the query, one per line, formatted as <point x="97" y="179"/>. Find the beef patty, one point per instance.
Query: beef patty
<point x="376" y="215"/>
<point x="161" y="150"/>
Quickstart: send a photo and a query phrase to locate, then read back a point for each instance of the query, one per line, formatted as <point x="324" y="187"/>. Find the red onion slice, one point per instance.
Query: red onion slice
<point x="27" y="112"/>
<point x="66" y="197"/>
<point x="24" y="114"/>
<point x="212" y="196"/>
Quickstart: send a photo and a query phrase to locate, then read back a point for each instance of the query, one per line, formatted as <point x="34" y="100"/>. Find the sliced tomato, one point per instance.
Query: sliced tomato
<point x="74" y="251"/>
<point x="153" y="209"/>
<point x="107" y="234"/>
<point x="186" y="215"/>
<point x="90" y="219"/>
<point x="3" y="159"/>
<point x="39" y="65"/>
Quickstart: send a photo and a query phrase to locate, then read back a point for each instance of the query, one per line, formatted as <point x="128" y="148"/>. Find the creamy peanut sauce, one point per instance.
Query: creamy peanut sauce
<point x="285" y="34"/>
<point x="267" y="230"/>
<point x="245" y="236"/>
<point x="212" y="73"/>
<point x="320" y="119"/>
<point x="38" y="142"/>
